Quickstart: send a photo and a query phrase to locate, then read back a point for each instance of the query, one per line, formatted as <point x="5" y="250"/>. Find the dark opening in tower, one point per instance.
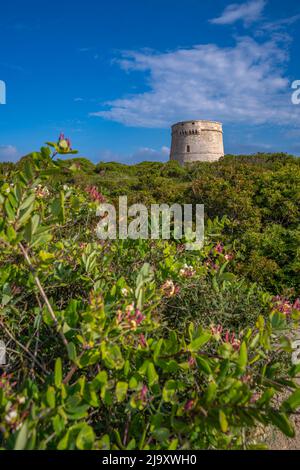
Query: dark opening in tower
<point x="188" y="149"/>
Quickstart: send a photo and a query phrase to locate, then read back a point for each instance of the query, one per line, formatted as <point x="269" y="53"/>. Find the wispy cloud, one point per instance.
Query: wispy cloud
<point x="274" y="26"/>
<point x="8" y="153"/>
<point x="140" y="155"/>
<point x="13" y="67"/>
<point x="90" y="52"/>
<point x="245" y="83"/>
<point x="248" y="12"/>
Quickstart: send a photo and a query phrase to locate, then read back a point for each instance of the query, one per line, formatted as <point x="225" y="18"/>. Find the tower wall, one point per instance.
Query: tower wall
<point x="194" y="141"/>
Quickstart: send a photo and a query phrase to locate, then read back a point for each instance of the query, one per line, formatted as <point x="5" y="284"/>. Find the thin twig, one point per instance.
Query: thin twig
<point x="72" y="371"/>
<point x="22" y="347"/>
<point x="43" y="294"/>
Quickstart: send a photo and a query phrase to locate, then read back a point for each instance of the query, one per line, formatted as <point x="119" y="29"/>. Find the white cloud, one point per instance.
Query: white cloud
<point x="248" y="12"/>
<point x="140" y="155"/>
<point x="8" y="153"/>
<point x="279" y="25"/>
<point x="245" y="83"/>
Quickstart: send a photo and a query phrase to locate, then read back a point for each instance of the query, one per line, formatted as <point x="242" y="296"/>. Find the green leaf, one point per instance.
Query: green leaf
<point x="72" y="352"/>
<point x="63" y="443"/>
<point x="197" y="343"/>
<point x="152" y="374"/>
<point x="35" y="221"/>
<point x="121" y="391"/>
<point x="58" y="207"/>
<point x="50" y="397"/>
<point x="293" y="402"/>
<point x="131" y="445"/>
<point x="58" y="373"/>
<point x="169" y="391"/>
<point x="281" y="421"/>
<point x="230" y="277"/>
<point x="157" y="349"/>
<point x="112" y="356"/>
<point x="28" y="202"/>
<point x="11" y="234"/>
<point x="278" y="320"/>
<point x="78" y="413"/>
<point x="28" y="170"/>
<point x="100" y="380"/>
<point x="203" y="364"/>
<point x="243" y="357"/>
<point x="104" y="442"/>
<point x="161" y="434"/>
<point x="9" y="211"/>
<point x="25" y="215"/>
<point x="173" y="444"/>
<point x="223" y="421"/>
<point x="211" y="392"/>
<point x="22" y="437"/>
<point x="85" y="438"/>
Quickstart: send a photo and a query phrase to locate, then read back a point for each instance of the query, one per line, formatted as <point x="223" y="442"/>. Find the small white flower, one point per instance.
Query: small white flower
<point x="187" y="271"/>
<point x="124" y="292"/>
<point x="11" y="416"/>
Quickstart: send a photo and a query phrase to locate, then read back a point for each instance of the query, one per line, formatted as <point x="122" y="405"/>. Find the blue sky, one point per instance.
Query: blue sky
<point x="115" y="75"/>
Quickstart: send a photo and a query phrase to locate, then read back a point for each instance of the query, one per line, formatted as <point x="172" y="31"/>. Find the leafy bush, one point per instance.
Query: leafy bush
<point x="131" y="344"/>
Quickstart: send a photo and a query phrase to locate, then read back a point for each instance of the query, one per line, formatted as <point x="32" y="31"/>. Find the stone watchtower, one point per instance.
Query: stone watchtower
<point x="197" y="141"/>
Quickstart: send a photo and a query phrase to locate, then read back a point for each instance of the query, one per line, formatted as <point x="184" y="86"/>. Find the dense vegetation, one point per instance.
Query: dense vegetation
<point x="142" y="344"/>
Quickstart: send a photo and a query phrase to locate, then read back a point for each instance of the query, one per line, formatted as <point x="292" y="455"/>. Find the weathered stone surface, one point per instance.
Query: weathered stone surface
<point x="194" y="141"/>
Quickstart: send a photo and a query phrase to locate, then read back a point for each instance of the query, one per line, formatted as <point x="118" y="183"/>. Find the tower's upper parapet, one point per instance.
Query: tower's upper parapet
<point x="197" y="140"/>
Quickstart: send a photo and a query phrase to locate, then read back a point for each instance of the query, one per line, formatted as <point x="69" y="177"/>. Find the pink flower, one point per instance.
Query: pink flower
<point x="191" y="361"/>
<point x="143" y="394"/>
<point x="132" y="318"/>
<point x="210" y="264"/>
<point x="282" y="305"/>
<point x="187" y="271"/>
<point x="216" y="330"/>
<point x="95" y="194"/>
<point x="143" y="341"/>
<point x="227" y="337"/>
<point x="169" y="289"/>
<point x="246" y="379"/>
<point x="219" y="248"/>
<point x="139" y="317"/>
<point x="189" y="405"/>
<point x="296" y="305"/>
<point x="64" y="143"/>
<point x="231" y="339"/>
<point x="254" y="398"/>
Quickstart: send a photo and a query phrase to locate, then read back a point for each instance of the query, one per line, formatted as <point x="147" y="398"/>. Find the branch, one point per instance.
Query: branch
<point x="43" y="294"/>
<point x="23" y="347"/>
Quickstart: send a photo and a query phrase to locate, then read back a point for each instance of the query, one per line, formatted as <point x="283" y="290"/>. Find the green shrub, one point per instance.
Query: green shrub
<point x="130" y="344"/>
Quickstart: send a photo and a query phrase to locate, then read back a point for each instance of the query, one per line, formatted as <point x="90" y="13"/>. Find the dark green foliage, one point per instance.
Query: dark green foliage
<point x="139" y="344"/>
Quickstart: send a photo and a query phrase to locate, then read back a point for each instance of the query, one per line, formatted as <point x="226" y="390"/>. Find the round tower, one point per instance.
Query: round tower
<point x="197" y="141"/>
